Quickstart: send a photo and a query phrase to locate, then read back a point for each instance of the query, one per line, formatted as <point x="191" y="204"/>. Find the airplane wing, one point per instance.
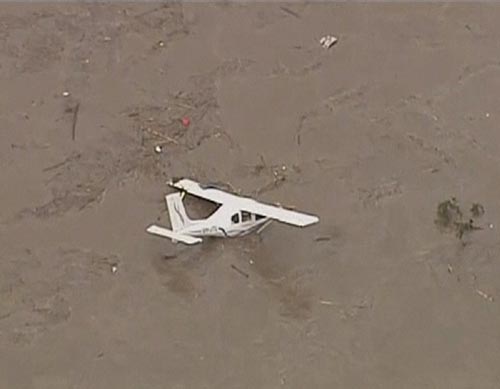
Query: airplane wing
<point x="208" y="193"/>
<point x="283" y="215"/>
<point x="175" y="236"/>
<point x="245" y="204"/>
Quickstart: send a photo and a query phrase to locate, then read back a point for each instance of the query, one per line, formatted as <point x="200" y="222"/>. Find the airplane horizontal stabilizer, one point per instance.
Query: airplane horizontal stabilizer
<point x="175" y="236"/>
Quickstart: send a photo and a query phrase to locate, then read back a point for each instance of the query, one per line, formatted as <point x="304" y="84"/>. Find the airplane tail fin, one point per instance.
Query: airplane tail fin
<point x="178" y="216"/>
<point x="174" y="236"/>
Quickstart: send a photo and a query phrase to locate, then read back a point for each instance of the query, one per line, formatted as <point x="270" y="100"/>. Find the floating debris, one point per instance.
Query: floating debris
<point x="186" y="121"/>
<point x="484" y="295"/>
<point x="244" y="274"/>
<point x="328" y="41"/>
<point x="75" y="119"/>
<point x="66" y="94"/>
<point x="323" y="238"/>
<point x="114" y="268"/>
<point x="158" y="149"/>
<point x="463" y="227"/>
<point x="290" y="12"/>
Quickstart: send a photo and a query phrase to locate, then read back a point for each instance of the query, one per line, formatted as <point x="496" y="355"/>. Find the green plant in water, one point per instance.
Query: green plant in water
<point x="477" y="210"/>
<point x="448" y="213"/>
<point x="449" y="217"/>
<point x="465" y="227"/>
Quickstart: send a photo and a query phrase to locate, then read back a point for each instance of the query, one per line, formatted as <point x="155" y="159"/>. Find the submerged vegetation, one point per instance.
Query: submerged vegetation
<point x="450" y="218"/>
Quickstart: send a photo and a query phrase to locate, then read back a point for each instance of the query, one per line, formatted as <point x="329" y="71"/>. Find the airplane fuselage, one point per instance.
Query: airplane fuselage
<point x="226" y="221"/>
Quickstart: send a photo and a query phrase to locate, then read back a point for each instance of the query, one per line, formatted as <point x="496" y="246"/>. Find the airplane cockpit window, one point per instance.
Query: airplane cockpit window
<point x="258" y="217"/>
<point x="235" y="218"/>
<point x="246" y="216"/>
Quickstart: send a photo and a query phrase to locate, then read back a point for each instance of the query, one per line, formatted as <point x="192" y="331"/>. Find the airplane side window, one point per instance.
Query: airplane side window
<point x="235" y="218"/>
<point x="246" y="216"/>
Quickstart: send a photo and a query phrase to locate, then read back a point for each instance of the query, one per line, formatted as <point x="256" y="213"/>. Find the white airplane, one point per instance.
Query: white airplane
<point x="236" y="216"/>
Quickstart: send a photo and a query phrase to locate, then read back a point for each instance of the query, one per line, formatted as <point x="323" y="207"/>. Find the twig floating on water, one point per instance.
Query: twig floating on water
<point x="75" y="118"/>
<point x="246" y="275"/>
<point x="290" y="12"/>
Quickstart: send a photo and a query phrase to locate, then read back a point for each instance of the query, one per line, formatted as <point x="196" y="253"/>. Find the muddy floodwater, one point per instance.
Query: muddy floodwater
<point x="101" y="104"/>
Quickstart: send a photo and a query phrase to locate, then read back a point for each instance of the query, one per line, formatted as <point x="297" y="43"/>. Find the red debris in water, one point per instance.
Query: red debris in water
<point x="186" y="122"/>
